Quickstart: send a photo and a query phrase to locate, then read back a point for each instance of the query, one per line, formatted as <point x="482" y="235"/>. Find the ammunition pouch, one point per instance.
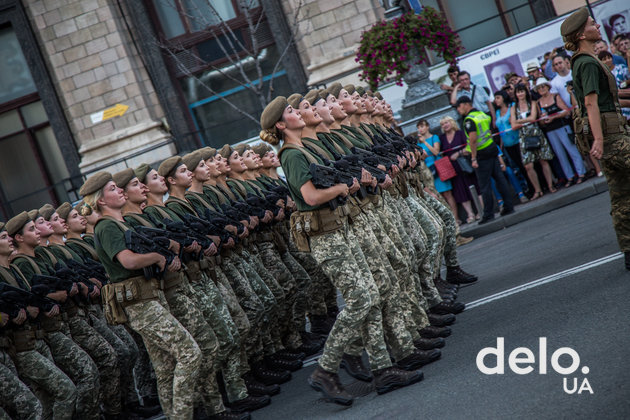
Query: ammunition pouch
<point x="193" y="271"/>
<point x="305" y="224"/>
<point x="117" y="296"/>
<point x="612" y="123"/>
<point x="171" y="282"/>
<point x="50" y="325"/>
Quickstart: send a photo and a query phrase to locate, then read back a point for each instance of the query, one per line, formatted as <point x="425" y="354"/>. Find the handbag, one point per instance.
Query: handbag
<point x="465" y="165"/>
<point x="532" y="143"/>
<point x="445" y="168"/>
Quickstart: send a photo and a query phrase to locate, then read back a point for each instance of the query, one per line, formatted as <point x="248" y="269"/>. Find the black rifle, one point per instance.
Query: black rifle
<point x="326" y="177"/>
<point x="140" y="244"/>
<point x="52" y="283"/>
<point x="220" y="220"/>
<point x="266" y="203"/>
<point x="89" y="269"/>
<point x="182" y="228"/>
<point x="8" y="304"/>
<point x="208" y="228"/>
<point x="35" y="297"/>
<point x="68" y="274"/>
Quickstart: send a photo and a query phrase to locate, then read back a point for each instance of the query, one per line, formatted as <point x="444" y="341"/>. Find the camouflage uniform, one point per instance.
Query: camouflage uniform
<point x="450" y="224"/>
<point x="337" y="254"/>
<point x="80" y="368"/>
<point x="105" y="358"/>
<point x="53" y="388"/>
<point x="175" y="355"/>
<point x="616" y="167"/>
<point x="143" y="372"/>
<point x="15" y="397"/>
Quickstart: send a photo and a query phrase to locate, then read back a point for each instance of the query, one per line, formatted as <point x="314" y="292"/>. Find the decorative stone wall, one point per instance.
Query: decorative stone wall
<point x="328" y="34"/>
<point x="95" y="65"/>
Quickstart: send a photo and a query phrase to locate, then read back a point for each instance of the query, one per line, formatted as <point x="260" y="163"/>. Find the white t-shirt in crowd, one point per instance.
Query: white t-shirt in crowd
<point x="558" y="85"/>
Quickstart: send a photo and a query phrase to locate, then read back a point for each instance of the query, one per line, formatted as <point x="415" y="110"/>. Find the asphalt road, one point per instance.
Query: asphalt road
<point x="584" y="309"/>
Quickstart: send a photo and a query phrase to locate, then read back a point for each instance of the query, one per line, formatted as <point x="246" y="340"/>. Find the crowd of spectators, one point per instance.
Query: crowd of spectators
<point x="531" y="125"/>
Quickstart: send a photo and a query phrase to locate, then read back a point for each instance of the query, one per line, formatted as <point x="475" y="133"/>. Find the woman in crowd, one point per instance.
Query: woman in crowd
<point x="431" y="144"/>
<point x="621" y="73"/>
<point x="556" y="127"/>
<point x="454" y="141"/>
<point x="523" y="118"/>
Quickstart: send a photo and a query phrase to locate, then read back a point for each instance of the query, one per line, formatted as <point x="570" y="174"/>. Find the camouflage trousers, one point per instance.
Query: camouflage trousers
<point x="209" y="299"/>
<point x="396" y="334"/>
<point x="105" y="358"/>
<point x="175" y="355"/>
<point x="249" y="302"/>
<point x="302" y="281"/>
<point x="616" y="167"/>
<point x="53" y="388"/>
<point x="80" y="368"/>
<point x="451" y="229"/>
<point x="143" y="372"/>
<point x="125" y="348"/>
<point x="15" y="397"/>
<point x="340" y="256"/>
<point x="188" y="313"/>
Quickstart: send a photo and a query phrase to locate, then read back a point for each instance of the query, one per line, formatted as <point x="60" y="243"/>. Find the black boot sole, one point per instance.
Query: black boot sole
<point x="391" y="387"/>
<point x="337" y="400"/>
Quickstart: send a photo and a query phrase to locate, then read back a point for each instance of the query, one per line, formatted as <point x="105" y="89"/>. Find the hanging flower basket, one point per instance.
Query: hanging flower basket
<point x="386" y="47"/>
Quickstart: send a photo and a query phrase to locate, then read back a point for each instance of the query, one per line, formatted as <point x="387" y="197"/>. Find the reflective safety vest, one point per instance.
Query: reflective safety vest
<point x="482" y="123"/>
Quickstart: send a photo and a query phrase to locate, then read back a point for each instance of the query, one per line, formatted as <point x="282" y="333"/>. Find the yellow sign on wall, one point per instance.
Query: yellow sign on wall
<point x="117" y="110"/>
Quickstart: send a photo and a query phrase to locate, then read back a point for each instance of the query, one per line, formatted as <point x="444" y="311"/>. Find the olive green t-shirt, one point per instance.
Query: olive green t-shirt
<point x="589" y="77"/>
<point x="64" y="253"/>
<point x="27" y="268"/>
<point x="334" y="139"/>
<point x="110" y="240"/>
<point x="296" y="169"/>
<point x="156" y="213"/>
<point x="80" y="247"/>
<point x="89" y="238"/>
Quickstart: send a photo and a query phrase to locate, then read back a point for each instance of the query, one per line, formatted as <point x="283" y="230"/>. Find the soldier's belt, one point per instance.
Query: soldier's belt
<point x="4" y="343"/>
<point x="613" y="123"/>
<point x="23" y="340"/>
<point x="50" y="325"/>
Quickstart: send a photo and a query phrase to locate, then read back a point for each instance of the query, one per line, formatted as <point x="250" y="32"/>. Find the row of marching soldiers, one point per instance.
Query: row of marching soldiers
<point x="129" y="304"/>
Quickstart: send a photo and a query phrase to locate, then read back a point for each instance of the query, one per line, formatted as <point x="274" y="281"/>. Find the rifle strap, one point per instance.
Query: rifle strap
<point x="185" y="204"/>
<point x="162" y="212"/>
<point x="81" y="243"/>
<point x="321" y="151"/>
<point x="17" y="271"/>
<point x="335" y="145"/>
<point x="139" y="219"/>
<point x="120" y="224"/>
<point x="63" y="250"/>
<point x="202" y="199"/>
<point x="343" y="138"/>
<point x="30" y="260"/>
<point x="367" y="131"/>
<point x="252" y="184"/>
<point x="240" y="187"/>
<point x="220" y="195"/>
<point x="7" y="277"/>
<point x="50" y="255"/>
<point x="228" y="192"/>
<point x="307" y="153"/>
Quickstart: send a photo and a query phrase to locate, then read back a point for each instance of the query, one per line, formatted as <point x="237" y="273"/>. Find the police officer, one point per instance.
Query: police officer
<point x="484" y="157"/>
<point x="600" y="128"/>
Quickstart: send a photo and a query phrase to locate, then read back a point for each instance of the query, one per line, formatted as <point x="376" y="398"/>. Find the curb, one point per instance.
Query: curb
<point x="545" y="204"/>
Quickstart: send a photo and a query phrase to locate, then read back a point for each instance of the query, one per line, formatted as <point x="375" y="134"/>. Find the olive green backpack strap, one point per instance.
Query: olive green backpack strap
<point x="220" y="194"/>
<point x="120" y="224"/>
<point x="183" y="203"/>
<point x="162" y="212"/>
<point x="227" y="191"/>
<point x="81" y="243"/>
<point x="343" y="139"/>
<point x="63" y="250"/>
<point x="50" y="255"/>
<point x="7" y="277"/>
<point x="240" y="187"/>
<point x="319" y="149"/>
<point x="30" y="260"/>
<point x="139" y="219"/>
<point x="309" y="156"/>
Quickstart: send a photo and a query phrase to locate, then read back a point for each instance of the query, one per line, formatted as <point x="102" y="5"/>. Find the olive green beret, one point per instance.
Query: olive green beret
<point x="64" y="209"/>
<point x="273" y="112"/>
<point x="334" y="89"/>
<point x="312" y="96"/>
<point x="95" y="183"/>
<point x="191" y="160"/>
<point x="241" y="148"/>
<point x="369" y="92"/>
<point x="294" y="100"/>
<point x="261" y="149"/>
<point x="1" y="226"/>
<point x="15" y="224"/>
<point x="169" y="165"/>
<point x="378" y="95"/>
<point x="360" y="90"/>
<point x="226" y="151"/>
<point x="46" y="211"/>
<point x="350" y="89"/>
<point x="33" y="214"/>
<point x="207" y="152"/>
<point x="574" y="22"/>
<point x="123" y="177"/>
<point x="142" y="171"/>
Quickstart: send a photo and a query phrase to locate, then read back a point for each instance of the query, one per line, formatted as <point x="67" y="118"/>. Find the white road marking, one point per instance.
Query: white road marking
<point x="535" y="283"/>
<point x="544" y="280"/>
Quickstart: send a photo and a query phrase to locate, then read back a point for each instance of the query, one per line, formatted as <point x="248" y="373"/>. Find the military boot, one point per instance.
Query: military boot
<point x="274" y="362"/>
<point x="290" y="355"/>
<point x="320" y="324"/>
<point x="429" y="343"/>
<point x="330" y="385"/>
<point x="268" y="376"/>
<point x="418" y="358"/>
<point x="627" y="258"/>
<point x="446" y="307"/>
<point x="456" y="275"/>
<point x="435" y="332"/>
<point x="257" y="388"/>
<point x="228" y="415"/>
<point x="391" y="378"/>
<point x="354" y="366"/>
<point x="249" y="403"/>
<point x="441" y="320"/>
